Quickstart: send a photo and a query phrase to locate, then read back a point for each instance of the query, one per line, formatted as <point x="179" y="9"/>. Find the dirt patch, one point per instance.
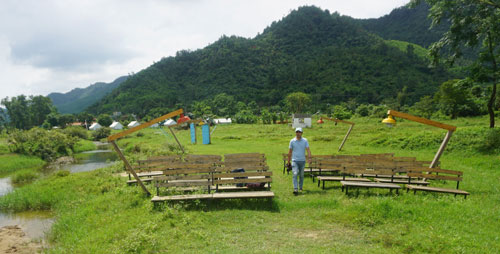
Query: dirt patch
<point x="14" y="240"/>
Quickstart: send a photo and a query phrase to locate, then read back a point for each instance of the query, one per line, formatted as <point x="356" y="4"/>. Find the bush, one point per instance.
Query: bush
<point x="245" y="116"/>
<point x="62" y="173"/>
<point x="101" y="133"/>
<point x="364" y="110"/>
<point x="45" y="144"/>
<point x="24" y="176"/>
<point x="341" y="112"/>
<point x="379" y="111"/>
<point x="491" y="141"/>
<point x="76" y="131"/>
<point x="266" y="116"/>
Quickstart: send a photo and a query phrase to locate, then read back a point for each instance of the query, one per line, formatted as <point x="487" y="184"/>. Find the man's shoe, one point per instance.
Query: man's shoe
<point x="295" y="192"/>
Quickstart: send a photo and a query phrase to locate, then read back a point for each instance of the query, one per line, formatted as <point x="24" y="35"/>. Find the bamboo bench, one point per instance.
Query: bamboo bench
<point x="368" y="168"/>
<point x="217" y="177"/>
<point x="436" y="174"/>
<point x="146" y="169"/>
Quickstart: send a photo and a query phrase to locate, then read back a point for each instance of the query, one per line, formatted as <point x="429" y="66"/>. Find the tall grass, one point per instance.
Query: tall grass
<point x="11" y="162"/>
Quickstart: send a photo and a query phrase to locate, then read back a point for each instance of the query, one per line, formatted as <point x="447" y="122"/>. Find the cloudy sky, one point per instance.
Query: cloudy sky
<point x="54" y="46"/>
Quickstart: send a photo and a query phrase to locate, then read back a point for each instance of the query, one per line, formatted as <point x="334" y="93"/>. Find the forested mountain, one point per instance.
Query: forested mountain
<point x="78" y="99"/>
<point x="406" y="24"/>
<point x="331" y="57"/>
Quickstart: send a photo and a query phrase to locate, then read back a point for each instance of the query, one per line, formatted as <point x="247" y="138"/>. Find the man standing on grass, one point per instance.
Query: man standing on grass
<point x="297" y="154"/>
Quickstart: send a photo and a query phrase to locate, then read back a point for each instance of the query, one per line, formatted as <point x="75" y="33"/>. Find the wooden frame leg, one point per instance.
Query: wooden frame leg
<point x="129" y="167"/>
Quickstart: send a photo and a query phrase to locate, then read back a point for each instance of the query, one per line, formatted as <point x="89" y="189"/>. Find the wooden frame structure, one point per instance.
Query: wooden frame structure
<point x="348" y="131"/>
<point x="124" y="133"/>
<point x="449" y="128"/>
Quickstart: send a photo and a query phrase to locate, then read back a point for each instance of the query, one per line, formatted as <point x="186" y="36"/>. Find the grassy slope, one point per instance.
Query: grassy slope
<point x="10" y="162"/>
<point x="402" y="45"/>
<point x="97" y="213"/>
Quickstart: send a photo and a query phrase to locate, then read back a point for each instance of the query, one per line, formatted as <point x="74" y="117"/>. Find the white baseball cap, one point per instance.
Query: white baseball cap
<point x="298" y="129"/>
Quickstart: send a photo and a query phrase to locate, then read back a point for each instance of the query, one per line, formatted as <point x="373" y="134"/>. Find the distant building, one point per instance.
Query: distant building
<point x="116" y="126"/>
<point x="116" y="114"/>
<point x="301" y="120"/>
<point x="95" y="126"/>
<point x="223" y="121"/>
<point x="133" y="124"/>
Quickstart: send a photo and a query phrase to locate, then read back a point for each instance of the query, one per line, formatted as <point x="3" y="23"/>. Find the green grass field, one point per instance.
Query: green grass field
<point x="97" y="213"/>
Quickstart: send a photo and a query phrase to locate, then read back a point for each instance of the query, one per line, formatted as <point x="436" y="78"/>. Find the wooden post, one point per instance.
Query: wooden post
<point x="179" y="143"/>
<point x="129" y="167"/>
<point x="441" y="149"/>
<point x="345" y="138"/>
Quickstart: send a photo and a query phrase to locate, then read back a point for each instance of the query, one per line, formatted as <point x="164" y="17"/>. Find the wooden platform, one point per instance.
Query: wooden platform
<point x="224" y="195"/>
<point x="400" y="181"/>
<point x="390" y="186"/>
<point x="416" y="188"/>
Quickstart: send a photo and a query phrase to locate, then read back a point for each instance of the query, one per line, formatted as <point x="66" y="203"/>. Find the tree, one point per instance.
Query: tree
<point x="424" y="108"/>
<point x="297" y="101"/>
<point x="474" y="23"/>
<point x="40" y="107"/>
<point x="455" y="99"/>
<point x="18" y="110"/>
<point x="85" y="117"/>
<point x="104" y="120"/>
<point x="65" y="119"/>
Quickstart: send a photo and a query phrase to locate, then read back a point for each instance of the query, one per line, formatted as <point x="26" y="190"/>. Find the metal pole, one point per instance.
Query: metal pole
<point x="179" y="143"/>
<point x="441" y="149"/>
<point x="129" y="168"/>
<point x="345" y="138"/>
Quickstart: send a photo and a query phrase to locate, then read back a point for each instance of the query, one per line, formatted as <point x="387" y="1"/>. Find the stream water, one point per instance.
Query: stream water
<point x="36" y="223"/>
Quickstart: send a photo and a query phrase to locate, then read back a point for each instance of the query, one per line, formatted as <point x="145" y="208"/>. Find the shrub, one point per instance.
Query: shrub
<point x="491" y="141"/>
<point x="341" y="112"/>
<point x="245" y="116"/>
<point x="45" y="144"/>
<point x="379" y="111"/>
<point x="24" y="176"/>
<point x="76" y="131"/>
<point x="101" y="133"/>
<point x="364" y="110"/>
<point x="62" y="173"/>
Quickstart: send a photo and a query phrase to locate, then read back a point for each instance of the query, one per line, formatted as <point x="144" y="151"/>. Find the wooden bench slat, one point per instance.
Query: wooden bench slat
<point x="183" y="177"/>
<point x="370" y="184"/>
<point x="400" y="181"/>
<point x="187" y="171"/>
<point x="246" y="194"/>
<point x="248" y="180"/>
<point x="340" y="178"/>
<point x="180" y="197"/>
<point x="435" y="189"/>
<point x="242" y="174"/>
<point x="435" y="177"/>
<point x="183" y="184"/>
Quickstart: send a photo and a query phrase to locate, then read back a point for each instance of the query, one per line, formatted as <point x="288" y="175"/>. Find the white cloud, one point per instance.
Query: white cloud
<point x="56" y="45"/>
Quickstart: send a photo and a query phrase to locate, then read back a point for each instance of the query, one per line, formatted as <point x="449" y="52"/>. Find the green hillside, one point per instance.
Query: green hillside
<point x="76" y="100"/>
<point x="329" y="56"/>
<point x="406" y="24"/>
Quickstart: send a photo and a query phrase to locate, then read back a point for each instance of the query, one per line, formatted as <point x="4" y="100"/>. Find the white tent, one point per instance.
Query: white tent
<point x="116" y="126"/>
<point x="156" y="125"/>
<point x="95" y="126"/>
<point x="170" y="122"/>
<point x="133" y="124"/>
<point x="223" y="120"/>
